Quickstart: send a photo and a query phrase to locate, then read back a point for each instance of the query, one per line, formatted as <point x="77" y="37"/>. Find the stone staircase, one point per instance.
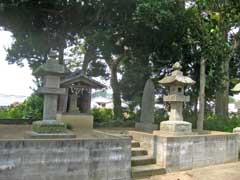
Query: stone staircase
<point x="143" y="165"/>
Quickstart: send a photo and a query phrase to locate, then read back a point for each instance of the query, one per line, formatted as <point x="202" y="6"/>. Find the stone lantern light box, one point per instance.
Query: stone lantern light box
<point x="176" y="83"/>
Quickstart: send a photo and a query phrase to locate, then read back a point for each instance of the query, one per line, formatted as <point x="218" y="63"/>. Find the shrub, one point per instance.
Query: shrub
<point x="102" y="115"/>
<point x="227" y="125"/>
<point x="31" y="108"/>
<point x="104" y="118"/>
<point x="160" y="115"/>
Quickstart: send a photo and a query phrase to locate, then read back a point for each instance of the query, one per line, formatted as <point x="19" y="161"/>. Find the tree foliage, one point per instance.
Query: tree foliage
<point x="139" y="39"/>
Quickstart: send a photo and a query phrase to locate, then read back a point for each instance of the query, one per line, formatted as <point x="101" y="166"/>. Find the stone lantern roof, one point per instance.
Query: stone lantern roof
<point x="236" y="88"/>
<point x="177" y="77"/>
<point x="51" y="67"/>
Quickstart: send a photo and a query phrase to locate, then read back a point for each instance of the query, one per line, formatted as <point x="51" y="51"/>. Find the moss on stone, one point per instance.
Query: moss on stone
<point x="49" y="128"/>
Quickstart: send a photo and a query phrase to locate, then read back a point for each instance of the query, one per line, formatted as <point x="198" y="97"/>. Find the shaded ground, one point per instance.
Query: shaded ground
<point x="230" y="171"/>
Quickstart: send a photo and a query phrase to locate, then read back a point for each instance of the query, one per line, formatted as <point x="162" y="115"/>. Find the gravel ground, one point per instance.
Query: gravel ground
<point x="230" y="171"/>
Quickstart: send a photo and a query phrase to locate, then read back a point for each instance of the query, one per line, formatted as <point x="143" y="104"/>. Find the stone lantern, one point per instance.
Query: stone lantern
<point x="176" y="83"/>
<point x="50" y="72"/>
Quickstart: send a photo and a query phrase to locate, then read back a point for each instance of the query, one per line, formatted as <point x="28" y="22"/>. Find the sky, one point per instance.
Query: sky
<point x="15" y="81"/>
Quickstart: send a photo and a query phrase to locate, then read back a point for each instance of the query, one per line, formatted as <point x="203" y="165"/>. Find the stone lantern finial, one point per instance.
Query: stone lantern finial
<point x="177" y="66"/>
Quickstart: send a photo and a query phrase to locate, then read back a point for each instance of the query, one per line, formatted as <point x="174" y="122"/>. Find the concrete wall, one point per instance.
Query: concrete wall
<point x="187" y="152"/>
<point x="76" y="159"/>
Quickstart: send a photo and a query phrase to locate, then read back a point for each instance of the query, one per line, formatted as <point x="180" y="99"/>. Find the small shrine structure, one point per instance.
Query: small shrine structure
<point x="74" y="106"/>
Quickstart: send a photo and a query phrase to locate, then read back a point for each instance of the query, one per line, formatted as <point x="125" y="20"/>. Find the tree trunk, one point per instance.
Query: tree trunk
<point x="201" y="95"/>
<point x="89" y="55"/>
<point x="117" y="109"/>
<point x="222" y="94"/>
<point x="61" y="54"/>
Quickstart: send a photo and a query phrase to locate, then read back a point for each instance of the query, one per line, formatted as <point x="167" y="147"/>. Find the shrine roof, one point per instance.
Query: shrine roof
<point x="77" y="79"/>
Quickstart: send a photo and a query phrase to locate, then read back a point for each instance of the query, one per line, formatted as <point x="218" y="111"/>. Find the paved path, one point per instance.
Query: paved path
<point x="230" y="171"/>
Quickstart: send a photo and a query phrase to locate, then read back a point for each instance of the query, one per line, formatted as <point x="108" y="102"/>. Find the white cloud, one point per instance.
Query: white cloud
<point x="14" y="80"/>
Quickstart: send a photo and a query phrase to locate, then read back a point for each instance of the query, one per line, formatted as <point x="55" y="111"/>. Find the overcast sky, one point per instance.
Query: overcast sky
<point x="14" y="80"/>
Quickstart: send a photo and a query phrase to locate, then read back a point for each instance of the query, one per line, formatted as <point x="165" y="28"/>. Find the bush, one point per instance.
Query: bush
<point x="104" y="118"/>
<point x="227" y="125"/>
<point x="4" y="113"/>
<point x="160" y="115"/>
<point x="102" y="115"/>
<point x="31" y="108"/>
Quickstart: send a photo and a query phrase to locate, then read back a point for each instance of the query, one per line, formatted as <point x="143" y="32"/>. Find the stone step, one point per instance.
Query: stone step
<point x="142" y="160"/>
<point x="138" y="151"/>
<point x="147" y="171"/>
<point x="135" y="144"/>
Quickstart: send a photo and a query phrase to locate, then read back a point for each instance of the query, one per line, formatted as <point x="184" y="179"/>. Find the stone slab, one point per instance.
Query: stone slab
<point x="77" y="120"/>
<point x="147" y="127"/>
<point x="147" y="107"/>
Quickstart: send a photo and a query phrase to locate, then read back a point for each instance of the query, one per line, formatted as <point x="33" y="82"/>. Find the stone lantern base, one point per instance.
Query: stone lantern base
<point x="49" y="129"/>
<point x="49" y="126"/>
<point x="175" y="127"/>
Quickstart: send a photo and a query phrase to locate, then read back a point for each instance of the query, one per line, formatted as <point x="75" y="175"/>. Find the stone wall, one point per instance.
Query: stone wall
<point x="189" y="151"/>
<point x="75" y="159"/>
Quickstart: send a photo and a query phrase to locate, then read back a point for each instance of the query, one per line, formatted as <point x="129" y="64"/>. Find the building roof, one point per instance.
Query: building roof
<point x="78" y="80"/>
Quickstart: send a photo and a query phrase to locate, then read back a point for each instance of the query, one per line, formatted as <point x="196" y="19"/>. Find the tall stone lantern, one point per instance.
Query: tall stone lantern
<point x="176" y="83"/>
<point x="50" y="72"/>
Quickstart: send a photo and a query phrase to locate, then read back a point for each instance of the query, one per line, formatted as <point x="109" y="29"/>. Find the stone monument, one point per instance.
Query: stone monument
<point x="147" y="111"/>
<point x="50" y="72"/>
<point x="176" y="82"/>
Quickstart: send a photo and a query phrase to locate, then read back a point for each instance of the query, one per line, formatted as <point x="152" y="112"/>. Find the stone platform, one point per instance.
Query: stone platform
<point x="77" y="120"/>
<point x="182" y="152"/>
